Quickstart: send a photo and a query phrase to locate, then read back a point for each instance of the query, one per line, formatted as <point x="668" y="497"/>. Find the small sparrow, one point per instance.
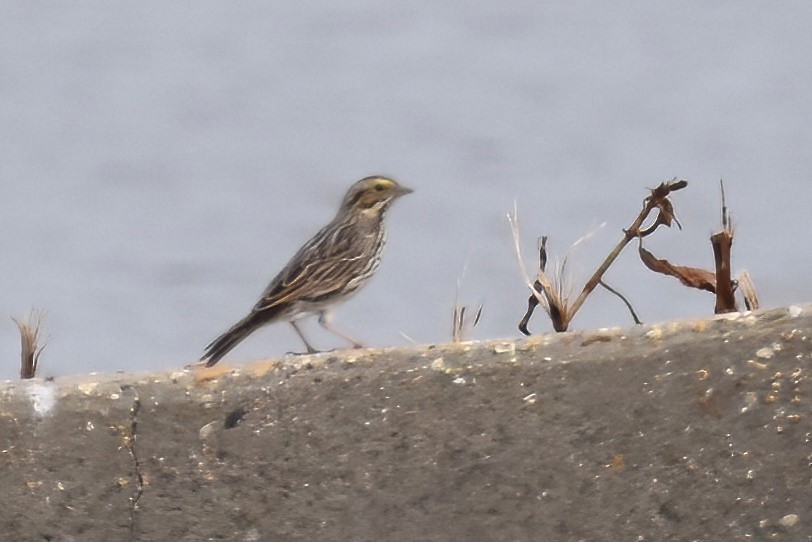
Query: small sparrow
<point x="326" y="271"/>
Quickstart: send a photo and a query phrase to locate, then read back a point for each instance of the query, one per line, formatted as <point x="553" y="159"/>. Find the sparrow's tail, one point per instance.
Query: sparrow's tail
<point x="223" y="344"/>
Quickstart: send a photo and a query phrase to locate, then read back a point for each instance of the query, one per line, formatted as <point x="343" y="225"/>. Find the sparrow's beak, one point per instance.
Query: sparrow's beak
<point x="402" y="191"/>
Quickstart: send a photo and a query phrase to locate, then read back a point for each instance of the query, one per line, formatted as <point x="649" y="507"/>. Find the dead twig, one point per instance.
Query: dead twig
<point x="550" y="294"/>
<point x="657" y="200"/>
<point x="722" y="242"/>
<point x="30" y="350"/>
<point x="625" y="301"/>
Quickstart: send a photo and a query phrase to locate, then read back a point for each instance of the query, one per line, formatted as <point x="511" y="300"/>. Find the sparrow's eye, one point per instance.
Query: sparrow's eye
<point x="379" y="187"/>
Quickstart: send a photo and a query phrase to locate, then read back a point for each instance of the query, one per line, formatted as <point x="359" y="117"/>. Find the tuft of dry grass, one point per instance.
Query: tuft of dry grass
<point x="463" y="320"/>
<point x="30" y="349"/>
<point x="551" y="292"/>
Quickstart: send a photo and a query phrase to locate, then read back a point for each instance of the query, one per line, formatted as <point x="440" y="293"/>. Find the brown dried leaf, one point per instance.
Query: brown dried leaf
<point x="666" y="208"/>
<point x="690" y="276"/>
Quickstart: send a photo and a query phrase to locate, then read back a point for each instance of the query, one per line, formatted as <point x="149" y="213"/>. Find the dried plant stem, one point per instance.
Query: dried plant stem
<point x="657" y="200"/>
<point x="596" y="278"/>
<point x="719" y="281"/>
<point x="722" y="243"/>
<point x="556" y="300"/>
<point x="725" y="301"/>
<point x="625" y="301"/>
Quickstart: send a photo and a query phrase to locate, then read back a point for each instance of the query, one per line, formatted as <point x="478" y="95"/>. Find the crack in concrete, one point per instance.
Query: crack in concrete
<point x="138" y="477"/>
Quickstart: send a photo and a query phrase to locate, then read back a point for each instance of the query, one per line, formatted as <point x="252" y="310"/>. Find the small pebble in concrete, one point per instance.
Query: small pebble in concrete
<point x="756" y="364"/>
<point x="764" y="353"/>
<point x="504" y="348"/>
<point x="788" y="521"/>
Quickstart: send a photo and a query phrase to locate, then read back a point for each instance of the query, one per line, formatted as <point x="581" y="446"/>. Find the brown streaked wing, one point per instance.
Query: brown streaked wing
<point x="317" y="279"/>
<point x="324" y="266"/>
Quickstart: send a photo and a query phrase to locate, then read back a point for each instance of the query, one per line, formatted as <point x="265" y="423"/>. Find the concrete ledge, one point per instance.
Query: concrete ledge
<point x="693" y="430"/>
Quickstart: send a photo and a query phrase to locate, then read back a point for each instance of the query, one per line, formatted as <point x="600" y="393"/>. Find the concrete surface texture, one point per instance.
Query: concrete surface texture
<point x="696" y="430"/>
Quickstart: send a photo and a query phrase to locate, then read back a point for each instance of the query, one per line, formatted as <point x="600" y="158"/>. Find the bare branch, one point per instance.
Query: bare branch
<point x="626" y="301"/>
<point x="658" y="199"/>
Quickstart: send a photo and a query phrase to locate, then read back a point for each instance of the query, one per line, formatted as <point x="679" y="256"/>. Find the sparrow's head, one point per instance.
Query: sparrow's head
<point x="372" y="194"/>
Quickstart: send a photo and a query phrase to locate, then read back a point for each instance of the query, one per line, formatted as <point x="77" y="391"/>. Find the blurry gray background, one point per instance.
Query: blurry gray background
<point x="159" y="162"/>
